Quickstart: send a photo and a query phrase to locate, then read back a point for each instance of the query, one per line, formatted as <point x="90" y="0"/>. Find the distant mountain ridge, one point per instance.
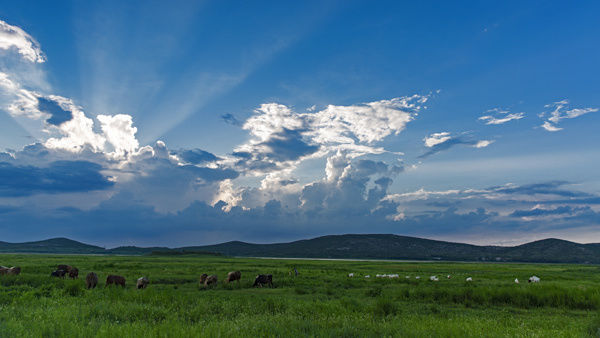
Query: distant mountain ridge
<point x="369" y="246"/>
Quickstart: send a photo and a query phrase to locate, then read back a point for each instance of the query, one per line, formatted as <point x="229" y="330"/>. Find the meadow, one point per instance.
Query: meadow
<point x="321" y="301"/>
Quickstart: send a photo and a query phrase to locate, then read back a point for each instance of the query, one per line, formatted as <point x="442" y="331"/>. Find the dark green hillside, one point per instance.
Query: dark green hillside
<point x="375" y="246"/>
<point x="53" y="245"/>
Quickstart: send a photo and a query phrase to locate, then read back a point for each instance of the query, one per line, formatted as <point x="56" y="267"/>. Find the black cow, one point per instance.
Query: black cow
<point x="58" y="273"/>
<point x="263" y="279"/>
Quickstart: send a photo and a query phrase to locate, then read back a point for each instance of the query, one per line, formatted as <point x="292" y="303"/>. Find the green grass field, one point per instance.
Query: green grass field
<point x="321" y="301"/>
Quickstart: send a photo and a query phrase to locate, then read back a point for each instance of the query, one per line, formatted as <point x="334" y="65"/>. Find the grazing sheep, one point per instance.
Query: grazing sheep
<point x="433" y="278"/>
<point x="73" y="273"/>
<point x="516" y="281"/>
<point x="210" y="280"/>
<point x="58" y="273"/>
<point x="203" y="278"/>
<point x="407" y="277"/>
<point x="368" y="276"/>
<point x="116" y="280"/>
<point x="449" y="277"/>
<point x="15" y="270"/>
<point x="261" y="280"/>
<point x="351" y="274"/>
<point x="91" y="280"/>
<point x="233" y="275"/>
<point x="534" y="279"/>
<point x="418" y="277"/>
<point x="142" y="282"/>
<point x="394" y="276"/>
<point x="469" y="279"/>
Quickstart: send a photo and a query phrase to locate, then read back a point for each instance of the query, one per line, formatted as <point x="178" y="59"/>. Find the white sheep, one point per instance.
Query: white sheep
<point x="351" y="274"/>
<point x="368" y="276"/>
<point x="433" y="278"/>
<point x="534" y="279"/>
<point x="516" y="281"/>
<point x="407" y="277"/>
<point x="449" y="277"/>
<point x="418" y="277"/>
<point x="394" y="276"/>
<point x="469" y="279"/>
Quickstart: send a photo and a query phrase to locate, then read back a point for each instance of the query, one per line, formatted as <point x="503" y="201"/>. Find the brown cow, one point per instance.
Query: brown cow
<point x="74" y="273"/>
<point x="91" y="280"/>
<point x="203" y="278"/>
<point x="58" y="273"/>
<point x="116" y="280"/>
<point x="142" y="282"/>
<point x="14" y="271"/>
<point x="233" y="275"/>
<point x="210" y="280"/>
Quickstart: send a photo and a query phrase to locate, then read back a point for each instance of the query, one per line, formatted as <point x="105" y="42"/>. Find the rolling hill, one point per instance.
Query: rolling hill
<point x="375" y="246"/>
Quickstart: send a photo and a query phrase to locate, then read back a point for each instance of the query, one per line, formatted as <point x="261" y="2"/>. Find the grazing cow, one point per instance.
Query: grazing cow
<point x="15" y="270"/>
<point x="116" y="280"/>
<point x="469" y="279"/>
<point x="91" y="280"/>
<point x="73" y="273"/>
<point x="203" y="278"/>
<point x="58" y="273"/>
<point x="351" y="274"/>
<point x="534" y="279"/>
<point x="142" y="282"/>
<point x="261" y="280"/>
<point x="433" y="278"/>
<point x="516" y="281"/>
<point x="210" y="280"/>
<point x="65" y="267"/>
<point x="233" y="275"/>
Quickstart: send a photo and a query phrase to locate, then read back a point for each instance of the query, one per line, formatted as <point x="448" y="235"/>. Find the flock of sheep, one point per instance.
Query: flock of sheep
<point x="532" y="279"/>
<point x="91" y="280"/>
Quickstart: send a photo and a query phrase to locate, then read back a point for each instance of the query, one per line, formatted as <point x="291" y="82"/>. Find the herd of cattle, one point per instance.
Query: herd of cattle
<point x="532" y="279"/>
<point x="91" y="280"/>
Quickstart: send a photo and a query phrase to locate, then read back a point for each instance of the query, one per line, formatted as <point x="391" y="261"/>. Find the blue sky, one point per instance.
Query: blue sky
<point x="184" y="123"/>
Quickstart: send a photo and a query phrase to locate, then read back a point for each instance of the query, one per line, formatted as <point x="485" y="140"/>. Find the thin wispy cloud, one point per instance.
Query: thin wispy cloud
<point x="500" y="116"/>
<point x="559" y="111"/>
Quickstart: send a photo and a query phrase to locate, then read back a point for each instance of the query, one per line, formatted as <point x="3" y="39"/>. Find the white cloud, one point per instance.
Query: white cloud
<point x="120" y="133"/>
<point x="436" y="138"/>
<point x="483" y="143"/>
<point x="282" y="138"/>
<point x="489" y="119"/>
<point x="560" y="112"/>
<point x="550" y="127"/>
<point x="15" y="37"/>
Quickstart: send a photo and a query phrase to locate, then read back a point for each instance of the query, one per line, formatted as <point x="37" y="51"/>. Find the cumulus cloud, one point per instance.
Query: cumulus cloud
<point x="559" y="111"/>
<point x="13" y="37"/>
<point x="500" y="116"/>
<point x="280" y="137"/>
<point x="119" y="132"/>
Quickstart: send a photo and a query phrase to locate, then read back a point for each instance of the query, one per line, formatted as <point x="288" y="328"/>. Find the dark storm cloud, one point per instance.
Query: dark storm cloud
<point x="196" y="156"/>
<point x="57" y="115"/>
<point x="57" y="177"/>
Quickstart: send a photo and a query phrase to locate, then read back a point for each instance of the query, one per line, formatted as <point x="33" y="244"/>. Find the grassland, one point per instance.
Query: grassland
<point x="320" y="301"/>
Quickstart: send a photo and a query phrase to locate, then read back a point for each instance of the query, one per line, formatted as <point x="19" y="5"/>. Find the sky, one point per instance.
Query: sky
<point x="187" y="123"/>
